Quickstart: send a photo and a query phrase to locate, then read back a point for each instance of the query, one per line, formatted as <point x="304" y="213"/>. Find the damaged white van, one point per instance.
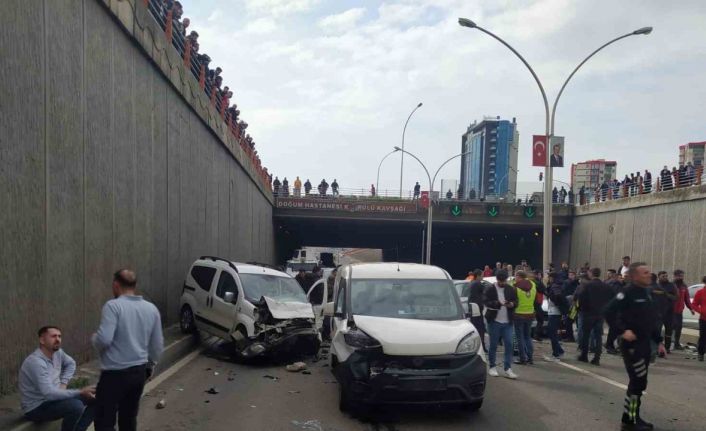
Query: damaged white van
<point x="400" y="336"/>
<point x="260" y="309"/>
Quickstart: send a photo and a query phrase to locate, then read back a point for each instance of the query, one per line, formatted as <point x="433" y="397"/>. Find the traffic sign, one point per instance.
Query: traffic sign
<point x="493" y="210"/>
<point x="456" y="210"/>
<point x="530" y="212"/>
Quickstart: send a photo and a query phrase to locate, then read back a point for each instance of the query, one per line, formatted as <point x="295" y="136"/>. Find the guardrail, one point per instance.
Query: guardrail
<point x="627" y="190"/>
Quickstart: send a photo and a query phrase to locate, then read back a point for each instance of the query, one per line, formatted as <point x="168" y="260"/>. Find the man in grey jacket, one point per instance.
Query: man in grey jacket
<point x="43" y="381"/>
<point x="130" y="342"/>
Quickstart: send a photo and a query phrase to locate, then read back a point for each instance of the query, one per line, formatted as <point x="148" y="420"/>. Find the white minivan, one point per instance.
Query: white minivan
<point x="260" y="309"/>
<point x="401" y="336"/>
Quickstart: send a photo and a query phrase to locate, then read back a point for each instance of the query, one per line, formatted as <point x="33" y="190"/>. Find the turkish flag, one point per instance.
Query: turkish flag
<point x="539" y="150"/>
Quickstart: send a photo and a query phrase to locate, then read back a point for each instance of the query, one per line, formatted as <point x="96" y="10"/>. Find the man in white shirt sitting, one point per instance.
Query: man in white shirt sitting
<point x="43" y="381"/>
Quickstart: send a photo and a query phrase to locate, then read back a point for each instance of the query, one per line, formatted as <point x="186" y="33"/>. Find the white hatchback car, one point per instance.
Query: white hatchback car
<point x="400" y="336"/>
<point x="260" y="309"/>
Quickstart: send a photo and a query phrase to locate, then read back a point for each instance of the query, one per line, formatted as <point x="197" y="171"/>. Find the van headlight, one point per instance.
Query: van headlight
<point x="360" y="340"/>
<point x="469" y="344"/>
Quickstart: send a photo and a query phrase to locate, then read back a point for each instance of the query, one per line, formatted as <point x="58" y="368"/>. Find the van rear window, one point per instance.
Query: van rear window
<point x="203" y="275"/>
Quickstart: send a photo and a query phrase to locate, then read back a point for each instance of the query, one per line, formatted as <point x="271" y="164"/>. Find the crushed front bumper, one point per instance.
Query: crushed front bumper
<point x="371" y="377"/>
<point x="280" y="340"/>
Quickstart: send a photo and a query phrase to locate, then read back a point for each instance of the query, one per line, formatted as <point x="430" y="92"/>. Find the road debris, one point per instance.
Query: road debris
<point x="267" y="376"/>
<point x="296" y="367"/>
<point x="161" y="404"/>
<point x="307" y="372"/>
<point x="212" y="391"/>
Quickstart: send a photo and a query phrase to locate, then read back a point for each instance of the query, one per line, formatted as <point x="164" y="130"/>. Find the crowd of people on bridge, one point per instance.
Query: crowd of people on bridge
<point x="634" y="184"/>
<point x="170" y="16"/>
<point x="281" y="188"/>
<point x="643" y="311"/>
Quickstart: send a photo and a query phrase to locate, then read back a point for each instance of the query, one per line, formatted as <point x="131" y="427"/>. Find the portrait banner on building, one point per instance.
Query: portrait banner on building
<point x="557" y="156"/>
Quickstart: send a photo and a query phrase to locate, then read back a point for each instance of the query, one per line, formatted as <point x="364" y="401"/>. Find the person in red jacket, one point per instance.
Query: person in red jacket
<point x="683" y="301"/>
<point x="699" y="305"/>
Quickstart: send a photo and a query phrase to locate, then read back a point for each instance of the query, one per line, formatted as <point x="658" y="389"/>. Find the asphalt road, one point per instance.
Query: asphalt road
<point x="573" y="396"/>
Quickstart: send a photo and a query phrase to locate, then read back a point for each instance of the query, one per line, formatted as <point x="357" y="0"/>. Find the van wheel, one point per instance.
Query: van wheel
<point x="344" y="402"/>
<point x="186" y="320"/>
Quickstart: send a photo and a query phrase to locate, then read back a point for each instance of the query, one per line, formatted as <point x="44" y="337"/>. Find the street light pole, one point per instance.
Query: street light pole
<point x="403" y="133"/>
<point x="431" y="193"/>
<point x="549" y="128"/>
<point x="377" y="181"/>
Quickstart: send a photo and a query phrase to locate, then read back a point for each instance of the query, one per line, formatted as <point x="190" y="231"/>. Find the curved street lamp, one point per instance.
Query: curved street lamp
<point x="549" y="126"/>
<point x="432" y="180"/>
<point x="377" y="182"/>
<point x="419" y="105"/>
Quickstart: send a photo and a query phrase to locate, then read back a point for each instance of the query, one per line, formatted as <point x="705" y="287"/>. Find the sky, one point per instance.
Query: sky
<point x="326" y="85"/>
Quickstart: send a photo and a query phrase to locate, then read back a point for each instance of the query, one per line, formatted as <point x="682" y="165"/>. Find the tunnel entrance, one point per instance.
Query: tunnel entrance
<point x="456" y="247"/>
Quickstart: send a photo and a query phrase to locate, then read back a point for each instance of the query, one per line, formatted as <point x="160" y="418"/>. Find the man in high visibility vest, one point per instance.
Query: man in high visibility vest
<point x="524" y="316"/>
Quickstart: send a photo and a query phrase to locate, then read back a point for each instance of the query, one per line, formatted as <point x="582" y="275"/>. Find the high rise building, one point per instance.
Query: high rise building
<point x="489" y="165"/>
<point x="592" y="173"/>
<point x="692" y="152"/>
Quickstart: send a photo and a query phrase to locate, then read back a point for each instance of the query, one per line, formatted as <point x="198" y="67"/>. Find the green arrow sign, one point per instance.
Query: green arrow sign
<point x="456" y="210"/>
<point x="530" y="212"/>
<point x="493" y="210"/>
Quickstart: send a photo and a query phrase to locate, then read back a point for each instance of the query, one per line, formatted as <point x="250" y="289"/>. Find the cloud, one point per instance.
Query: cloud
<point x="279" y="7"/>
<point x="342" y="21"/>
<point x="215" y="15"/>
<point x="330" y="92"/>
<point x="261" y="26"/>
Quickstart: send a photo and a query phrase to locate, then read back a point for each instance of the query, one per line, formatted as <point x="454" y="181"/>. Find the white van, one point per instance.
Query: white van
<point x="400" y="336"/>
<point x="259" y="308"/>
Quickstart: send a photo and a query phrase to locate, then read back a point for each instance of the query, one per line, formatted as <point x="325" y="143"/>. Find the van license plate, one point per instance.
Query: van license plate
<point x="422" y="384"/>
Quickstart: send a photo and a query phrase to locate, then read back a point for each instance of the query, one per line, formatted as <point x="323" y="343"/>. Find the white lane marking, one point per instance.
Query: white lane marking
<point x="174" y="343"/>
<point x="164" y="375"/>
<point x="594" y="375"/>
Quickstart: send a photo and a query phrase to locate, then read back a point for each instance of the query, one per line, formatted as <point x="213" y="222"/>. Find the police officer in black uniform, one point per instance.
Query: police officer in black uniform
<point x="633" y="312"/>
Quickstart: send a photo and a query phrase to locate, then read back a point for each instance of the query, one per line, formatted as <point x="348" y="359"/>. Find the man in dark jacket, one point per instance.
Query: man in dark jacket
<point x="307" y="187"/>
<point x="616" y="284"/>
<point x="634" y="313"/>
<point x="500" y="300"/>
<point x="475" y="296"/>
<point x="276" y="185"/>
<point x="593" y="299"/>
<point x="569" y="288"/>
<point x="665" y="295"/>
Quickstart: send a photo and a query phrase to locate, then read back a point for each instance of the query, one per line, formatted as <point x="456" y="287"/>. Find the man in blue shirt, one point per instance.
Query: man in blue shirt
<point x="129" y="341"/>
<point x="42" y="384"/>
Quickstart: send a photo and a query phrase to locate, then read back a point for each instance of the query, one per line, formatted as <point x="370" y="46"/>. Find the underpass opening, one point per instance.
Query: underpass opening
<point x="456" y="247"/>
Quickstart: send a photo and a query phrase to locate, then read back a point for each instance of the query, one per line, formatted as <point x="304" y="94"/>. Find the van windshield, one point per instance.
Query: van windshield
<point x="283" y="289"/>
<point x="405" y="299"/>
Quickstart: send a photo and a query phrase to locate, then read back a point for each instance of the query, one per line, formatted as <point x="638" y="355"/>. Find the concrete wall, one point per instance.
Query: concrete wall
<point x="665" y="229"/>
<point x="110" y="156"/>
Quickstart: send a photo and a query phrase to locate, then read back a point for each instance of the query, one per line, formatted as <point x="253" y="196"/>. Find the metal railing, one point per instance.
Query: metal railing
<point x="348" y="193"/>
<point x="638" y="186"/>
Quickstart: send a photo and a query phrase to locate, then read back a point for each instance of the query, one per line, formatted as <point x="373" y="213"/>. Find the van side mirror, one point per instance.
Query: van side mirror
<point x="229" y="297"/>
<point x="328" y="309"/>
